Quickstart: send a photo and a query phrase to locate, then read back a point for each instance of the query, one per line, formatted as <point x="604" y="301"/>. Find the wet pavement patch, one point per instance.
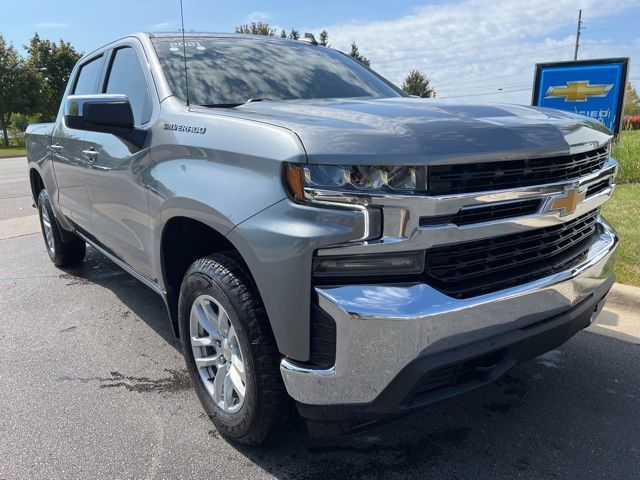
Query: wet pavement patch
<point x="177" y="381"/>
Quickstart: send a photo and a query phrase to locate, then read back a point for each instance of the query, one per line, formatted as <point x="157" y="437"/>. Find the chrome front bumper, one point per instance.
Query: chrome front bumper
<point x="382" y="328"/>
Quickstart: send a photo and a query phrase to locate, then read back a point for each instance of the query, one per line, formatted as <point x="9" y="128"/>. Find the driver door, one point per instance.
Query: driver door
<point x="117" y="187"/>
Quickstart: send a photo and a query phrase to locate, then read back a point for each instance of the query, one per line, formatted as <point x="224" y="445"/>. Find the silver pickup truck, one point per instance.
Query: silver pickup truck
<point x="317" y="234"/>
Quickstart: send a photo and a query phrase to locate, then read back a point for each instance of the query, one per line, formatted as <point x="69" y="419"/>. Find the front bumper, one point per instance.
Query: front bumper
<point x="383" y="330"/>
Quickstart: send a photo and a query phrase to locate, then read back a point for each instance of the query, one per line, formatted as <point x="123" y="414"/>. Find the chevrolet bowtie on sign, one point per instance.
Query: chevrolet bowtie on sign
<point x="578" y="91"/>
<point x="593" y="88"/>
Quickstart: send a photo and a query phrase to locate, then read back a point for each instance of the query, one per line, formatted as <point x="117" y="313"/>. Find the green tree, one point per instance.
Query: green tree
<point x="355" y="53"/>
<point x="294" y="34"/>
<point x="257" y="28"/>
<point x="631" y="100"/>
<point x="19" y="87"/>
<point x="54" y="62"/>
<point x="283" y="34"/>
<point x="418" y="84"/>
<point x="324" y="38"/>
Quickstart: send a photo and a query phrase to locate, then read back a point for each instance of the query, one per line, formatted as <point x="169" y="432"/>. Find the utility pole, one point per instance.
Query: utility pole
<point x="575" y="53"/>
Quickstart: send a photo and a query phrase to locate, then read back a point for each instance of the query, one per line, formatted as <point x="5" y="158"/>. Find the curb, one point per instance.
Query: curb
<point x="12" y="156"/>
<point x="625" y="297"/>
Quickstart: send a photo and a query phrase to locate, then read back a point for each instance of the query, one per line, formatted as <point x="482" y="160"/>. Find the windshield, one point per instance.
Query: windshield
<point x="230" y="71"/>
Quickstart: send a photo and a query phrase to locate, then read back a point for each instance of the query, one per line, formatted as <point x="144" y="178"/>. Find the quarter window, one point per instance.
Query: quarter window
<point x="126" y="77"/>
<point x="88" y="76"/>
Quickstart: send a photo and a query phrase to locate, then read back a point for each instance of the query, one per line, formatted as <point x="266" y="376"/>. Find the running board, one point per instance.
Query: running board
<point x="137" y="275"/>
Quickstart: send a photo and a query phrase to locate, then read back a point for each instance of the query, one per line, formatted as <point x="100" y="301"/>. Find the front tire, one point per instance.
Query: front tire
<point x="229" y="349"/>
<point x="61" y="253"/>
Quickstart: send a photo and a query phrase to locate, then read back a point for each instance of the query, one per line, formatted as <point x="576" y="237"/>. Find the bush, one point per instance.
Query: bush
<point x="631" y="122"/>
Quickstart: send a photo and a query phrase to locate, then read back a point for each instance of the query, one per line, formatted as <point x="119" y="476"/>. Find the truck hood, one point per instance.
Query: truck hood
<point x="417" y="131"/>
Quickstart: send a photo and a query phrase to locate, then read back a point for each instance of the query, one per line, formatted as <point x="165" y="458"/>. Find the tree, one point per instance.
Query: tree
<point x="324" y="38"/>
<point x="19" y="90"/>
<point x="257" y="28"/>
<point x="283" y="34"/>
<point x="294" y="35"/>
<point x="418" y="84"/>
<point x="355" y="53"/>
<point x="631" y="100"/>
<point x="54" y="62"/>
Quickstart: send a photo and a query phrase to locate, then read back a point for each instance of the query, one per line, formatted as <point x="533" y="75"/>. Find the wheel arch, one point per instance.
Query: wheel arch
<point x="36" y="181"/>
<point x="183" y="240"/>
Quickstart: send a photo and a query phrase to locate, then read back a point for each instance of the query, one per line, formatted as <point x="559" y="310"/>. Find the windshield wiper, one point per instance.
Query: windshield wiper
<point x="233" y="105"/>
<point x="257" y="99"/>
<point x="220" y="105"/>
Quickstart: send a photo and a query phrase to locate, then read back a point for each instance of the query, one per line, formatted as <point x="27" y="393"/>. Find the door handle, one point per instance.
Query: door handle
<point x="90" y="154"/>
<point x="55" y="148"/>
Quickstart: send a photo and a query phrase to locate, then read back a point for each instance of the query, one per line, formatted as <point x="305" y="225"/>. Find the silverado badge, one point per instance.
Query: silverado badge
<point x="185" y="128"/>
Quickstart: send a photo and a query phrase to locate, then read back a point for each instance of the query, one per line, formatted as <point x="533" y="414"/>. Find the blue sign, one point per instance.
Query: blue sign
<point x="594" y="88"/>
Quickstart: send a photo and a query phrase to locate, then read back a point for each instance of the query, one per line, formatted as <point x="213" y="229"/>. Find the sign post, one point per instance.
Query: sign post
<point x="594" y="88"/>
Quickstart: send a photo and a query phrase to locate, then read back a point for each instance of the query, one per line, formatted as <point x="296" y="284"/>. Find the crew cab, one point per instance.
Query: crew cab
<point x="318" y="235"/>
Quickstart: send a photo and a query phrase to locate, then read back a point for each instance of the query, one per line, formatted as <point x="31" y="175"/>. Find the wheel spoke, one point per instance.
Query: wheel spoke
<point x="224" y="323"/>
<point x="202" y="342"/>
<point x="204" y="320"/>
<point x="227" y="396"/>
<point x="208" y="361"/>
<point x="237" y="381"/>
<point x="218" y="384"/>
<point x="238" y="364"/>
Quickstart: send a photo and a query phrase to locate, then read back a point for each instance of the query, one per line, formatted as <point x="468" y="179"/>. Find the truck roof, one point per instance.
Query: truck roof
<point x="247" y="36"/>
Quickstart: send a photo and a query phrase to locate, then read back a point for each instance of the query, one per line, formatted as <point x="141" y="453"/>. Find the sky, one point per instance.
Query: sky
<point x="473" y="51"/>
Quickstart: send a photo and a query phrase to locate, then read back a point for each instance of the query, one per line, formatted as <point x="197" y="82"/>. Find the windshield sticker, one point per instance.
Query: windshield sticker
<point x="177" y="46"/>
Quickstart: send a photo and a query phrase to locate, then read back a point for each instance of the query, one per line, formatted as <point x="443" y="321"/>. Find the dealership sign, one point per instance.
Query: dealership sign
<point x="594" y="88"/>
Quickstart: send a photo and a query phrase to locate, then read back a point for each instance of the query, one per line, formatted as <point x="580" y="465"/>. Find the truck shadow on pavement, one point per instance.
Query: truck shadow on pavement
<point x="139" y="298"/>
<point x="571" y="413"/>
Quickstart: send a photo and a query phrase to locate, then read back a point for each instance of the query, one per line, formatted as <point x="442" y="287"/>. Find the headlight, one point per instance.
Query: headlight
<point x="303" y="180"/>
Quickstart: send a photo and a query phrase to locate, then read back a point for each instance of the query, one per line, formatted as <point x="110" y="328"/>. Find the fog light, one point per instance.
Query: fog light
<point x="383" y="264"/>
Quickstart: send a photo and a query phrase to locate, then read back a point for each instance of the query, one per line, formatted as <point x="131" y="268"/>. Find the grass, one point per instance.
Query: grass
<point x="627" y="151"/>
<point x="12" y="151"/>
<point x="623" y="214"/>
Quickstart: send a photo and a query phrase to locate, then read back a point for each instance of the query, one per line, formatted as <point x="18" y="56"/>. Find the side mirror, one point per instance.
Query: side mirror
<point x="104" y="113"/>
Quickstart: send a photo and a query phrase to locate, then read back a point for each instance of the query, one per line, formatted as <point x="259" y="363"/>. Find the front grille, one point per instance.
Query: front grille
<point x="487" y="213"/>
<point x="486" y="176"/>
<point x="472" y="268"/>
<point x="598" y="187"/>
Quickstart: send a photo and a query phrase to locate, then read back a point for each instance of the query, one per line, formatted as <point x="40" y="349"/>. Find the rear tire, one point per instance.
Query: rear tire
<point x="237" y="342"/>
<point x="61" y="253"/>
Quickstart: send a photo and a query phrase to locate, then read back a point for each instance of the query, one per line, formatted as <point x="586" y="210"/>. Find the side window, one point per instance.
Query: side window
<point x="87" y="81"/>
<point x="126" y="77"/>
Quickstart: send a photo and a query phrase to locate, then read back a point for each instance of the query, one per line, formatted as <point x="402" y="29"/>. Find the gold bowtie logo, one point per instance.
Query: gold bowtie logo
<point x="578" y="91"/>
<point x="569" y="201"/>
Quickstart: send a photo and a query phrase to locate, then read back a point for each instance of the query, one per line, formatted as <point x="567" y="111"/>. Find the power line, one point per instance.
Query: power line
<point x="446" y="88"/>
<point x="488" y="93"/>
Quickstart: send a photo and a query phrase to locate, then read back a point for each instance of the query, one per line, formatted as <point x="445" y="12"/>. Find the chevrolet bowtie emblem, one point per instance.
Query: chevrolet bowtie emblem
<point x="578" y="91"/>
<point x="568" y="202"/>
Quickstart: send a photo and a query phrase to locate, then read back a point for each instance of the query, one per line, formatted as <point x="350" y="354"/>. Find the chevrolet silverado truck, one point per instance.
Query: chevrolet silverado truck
<point x="318" y="235"/>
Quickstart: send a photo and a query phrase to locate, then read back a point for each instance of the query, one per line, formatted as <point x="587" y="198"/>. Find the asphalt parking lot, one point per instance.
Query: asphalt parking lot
<point x="93" y="385"/>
